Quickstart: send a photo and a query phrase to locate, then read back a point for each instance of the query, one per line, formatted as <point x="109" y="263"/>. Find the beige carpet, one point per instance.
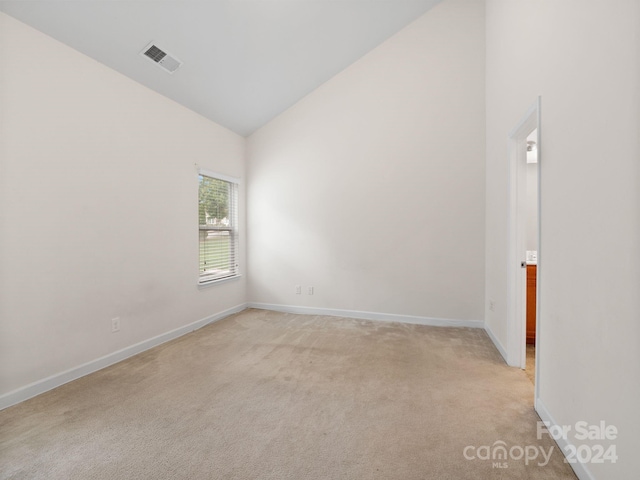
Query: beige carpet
<point x="530" y="365"/>
<point x="265" y="395"/>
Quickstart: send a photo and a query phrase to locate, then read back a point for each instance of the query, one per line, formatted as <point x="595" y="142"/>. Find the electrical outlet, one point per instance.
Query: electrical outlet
<point x="309" y="290"/>
<point x="298" y="289"/>
<point x="115" y="325"/>
<point x="492" y="305"/>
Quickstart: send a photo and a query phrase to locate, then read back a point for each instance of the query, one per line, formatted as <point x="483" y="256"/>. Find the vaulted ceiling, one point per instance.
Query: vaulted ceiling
<point x="243" y="61"/>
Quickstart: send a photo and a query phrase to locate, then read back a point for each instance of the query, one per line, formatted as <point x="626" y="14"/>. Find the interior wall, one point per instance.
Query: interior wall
<point x="371" y="188"/>
<point x="98" y="209"/>
<point x="583" y="58"/>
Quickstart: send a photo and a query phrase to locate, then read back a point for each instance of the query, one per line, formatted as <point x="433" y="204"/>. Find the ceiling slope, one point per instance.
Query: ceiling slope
<point x="243" y="61"/>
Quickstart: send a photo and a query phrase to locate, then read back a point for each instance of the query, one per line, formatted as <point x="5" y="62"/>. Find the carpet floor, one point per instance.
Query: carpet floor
<point x="267" y="395"/>
<point x="530" y="365"/>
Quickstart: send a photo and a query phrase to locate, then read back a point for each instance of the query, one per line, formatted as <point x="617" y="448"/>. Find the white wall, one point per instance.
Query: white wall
<point x="371" y="188"/>
<point x="583" y="58"/>
<point x="98" y="209"/>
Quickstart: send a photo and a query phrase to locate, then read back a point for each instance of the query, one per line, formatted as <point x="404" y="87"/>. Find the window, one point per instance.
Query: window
<point x="218" y="227"/>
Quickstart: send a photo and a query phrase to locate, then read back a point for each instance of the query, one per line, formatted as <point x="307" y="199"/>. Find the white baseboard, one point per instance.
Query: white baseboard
<point x="496" y="342"/>
<point x="385" y="317"/>
<point x="54" y="381"/>
<point x="580" y="469"/>
<point x="49" y="383"/>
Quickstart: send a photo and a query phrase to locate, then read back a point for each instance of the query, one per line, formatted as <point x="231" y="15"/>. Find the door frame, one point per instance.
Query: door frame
<point x="516" y="275"/>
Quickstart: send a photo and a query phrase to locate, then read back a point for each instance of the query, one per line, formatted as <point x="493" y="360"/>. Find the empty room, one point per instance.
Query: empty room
<point x="320" y="239"/>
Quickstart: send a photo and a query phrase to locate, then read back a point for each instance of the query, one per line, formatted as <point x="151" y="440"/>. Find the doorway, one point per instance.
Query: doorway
<point x="524" y="253"/>
<point x="531" y="252"/>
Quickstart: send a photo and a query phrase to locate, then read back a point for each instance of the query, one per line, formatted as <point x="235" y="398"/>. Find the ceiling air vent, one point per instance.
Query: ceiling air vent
<point x="161" y="58"/>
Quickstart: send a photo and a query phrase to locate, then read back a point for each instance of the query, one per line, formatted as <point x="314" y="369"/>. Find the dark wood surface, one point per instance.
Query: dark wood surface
<point x="532" y="271"/>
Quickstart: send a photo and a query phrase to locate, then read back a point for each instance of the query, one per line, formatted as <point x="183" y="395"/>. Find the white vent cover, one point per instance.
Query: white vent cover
<point x="161" y="58"/>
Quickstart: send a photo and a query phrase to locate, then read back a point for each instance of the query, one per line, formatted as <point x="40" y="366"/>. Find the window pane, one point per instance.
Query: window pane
<point x="216" y="257"/>
<point x="217" y="225"/>
<point x="213" y="201"/>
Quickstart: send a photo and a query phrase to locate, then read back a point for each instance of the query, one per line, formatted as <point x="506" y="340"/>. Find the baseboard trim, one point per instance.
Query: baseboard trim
<point x="496" y="343"/>
<point x="384" y="317"/>
<point x="56" y="380"/>
<point x="580" y="469"/>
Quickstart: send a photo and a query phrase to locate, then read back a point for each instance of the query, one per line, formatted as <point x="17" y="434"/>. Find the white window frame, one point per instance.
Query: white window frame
<point x="232" y="228"/>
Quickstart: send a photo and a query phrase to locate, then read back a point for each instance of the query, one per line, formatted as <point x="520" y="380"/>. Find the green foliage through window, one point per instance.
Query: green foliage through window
<point x="217" y="200"/>
<point x="213" y="199"/>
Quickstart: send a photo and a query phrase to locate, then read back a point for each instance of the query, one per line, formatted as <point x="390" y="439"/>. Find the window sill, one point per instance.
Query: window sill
<point x="208" y="283"/>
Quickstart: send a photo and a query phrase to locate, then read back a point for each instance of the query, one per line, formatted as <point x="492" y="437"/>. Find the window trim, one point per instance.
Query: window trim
<point x="208" y="283"/>
<point x="219" y="176"/>
<point x="233" y="180"/>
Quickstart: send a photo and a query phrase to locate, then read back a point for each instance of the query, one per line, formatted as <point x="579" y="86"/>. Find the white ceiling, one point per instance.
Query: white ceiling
<point x="244" y="61"/>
